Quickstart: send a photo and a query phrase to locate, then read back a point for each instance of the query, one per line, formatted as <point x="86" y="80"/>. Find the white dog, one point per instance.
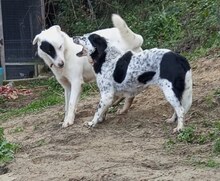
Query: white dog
<point x="58" y="51"/>
<point x="120" y="73"/>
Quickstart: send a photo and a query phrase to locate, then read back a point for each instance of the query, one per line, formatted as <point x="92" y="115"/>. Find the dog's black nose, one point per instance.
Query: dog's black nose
<point x="61" y="64"/>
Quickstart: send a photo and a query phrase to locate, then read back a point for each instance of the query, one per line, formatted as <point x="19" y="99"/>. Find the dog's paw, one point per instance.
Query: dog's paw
<point x="89" y="124"/>
<point x="177" y="130"/>
<point x="121" y="111"/>
<point x="66" y="124"/>
<point x="170" y="120"/>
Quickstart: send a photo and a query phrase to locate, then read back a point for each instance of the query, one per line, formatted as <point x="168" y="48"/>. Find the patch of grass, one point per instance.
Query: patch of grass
<point x="210" y="135"/>
<point x="216" y="146"/>
<point x="217" y="92"/>
<point x="40" y="143"/>
<point x="187" y="135"/>
<point x="202" y="139"/>
<point x="17" y="130"/>
<point x="7" y="149"/>
<point x="45" y="101"/>
<point x="53" y="94"/>
<point x="210" y="101"/>
<point x="88" y="89"/>
<point x="169" y="144"/>
<point x="212" y="164"/>
<point x="206" y="163"/>
<point x="2" y="100"/>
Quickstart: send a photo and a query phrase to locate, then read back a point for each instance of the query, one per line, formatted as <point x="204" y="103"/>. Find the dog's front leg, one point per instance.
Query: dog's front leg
<point x="73" y="99"/>
<point x="67" y="91"/>
<point x="104" y="104"/>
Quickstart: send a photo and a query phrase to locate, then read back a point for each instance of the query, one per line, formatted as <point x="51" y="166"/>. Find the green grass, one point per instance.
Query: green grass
<point x="211" y="163"/>
<point x="187" y="135"/>
<point x="17" y="130"/>
<point x="40" y="143"/>
<point x="45" y="101"/>
<point x="169" y="144"/>
<point x="88" y="90"/>
<point x="7" y="149"/>
<point x="190" y="135"/>
<point x="212" y="98"/>
<point x="216" y="146"/>
<point x="52" y="95"/>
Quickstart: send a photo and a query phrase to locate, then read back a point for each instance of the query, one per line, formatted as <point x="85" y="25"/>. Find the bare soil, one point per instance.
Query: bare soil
<point x="126" y="147"/>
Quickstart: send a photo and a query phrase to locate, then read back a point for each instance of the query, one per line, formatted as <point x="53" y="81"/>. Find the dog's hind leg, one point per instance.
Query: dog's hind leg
<point x="117" y="100"/>
<point x="172" y="119"/>
<point x="187" y="93"/>
<point x="175" y="103"/>
<point x="186" y="100"/>
<point x="127" y="105"/>
<point x="104" y="104"/>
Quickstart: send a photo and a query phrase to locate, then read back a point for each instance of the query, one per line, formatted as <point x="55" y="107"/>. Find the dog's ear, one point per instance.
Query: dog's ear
<point x="98" y="42"/>
<point x="35" y="39"/>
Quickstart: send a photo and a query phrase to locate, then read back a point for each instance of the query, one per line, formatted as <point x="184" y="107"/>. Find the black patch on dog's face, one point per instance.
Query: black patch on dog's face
<point x="99" y="55"/>
<point x="146" y="76"/>
<point x="173" y="67"/>
<point x="48" y="49"/>
<point x="120" y="71"/>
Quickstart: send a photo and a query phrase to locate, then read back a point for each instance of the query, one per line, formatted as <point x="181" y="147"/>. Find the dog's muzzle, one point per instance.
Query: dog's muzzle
<point x="51" y="65"/>
<point x="61" y="65"/>
<point x="80" y="54"/>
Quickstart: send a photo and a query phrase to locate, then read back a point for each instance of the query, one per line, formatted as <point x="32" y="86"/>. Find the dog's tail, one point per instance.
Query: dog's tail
<point x="187" y="93"/>
<point x="132" y="39"/>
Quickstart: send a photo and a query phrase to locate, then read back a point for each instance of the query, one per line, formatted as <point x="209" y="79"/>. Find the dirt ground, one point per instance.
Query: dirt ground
<point x="125" y="147"/>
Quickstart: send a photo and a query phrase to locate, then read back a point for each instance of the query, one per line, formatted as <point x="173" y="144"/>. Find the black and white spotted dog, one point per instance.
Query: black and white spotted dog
<point x="127" y="74"/>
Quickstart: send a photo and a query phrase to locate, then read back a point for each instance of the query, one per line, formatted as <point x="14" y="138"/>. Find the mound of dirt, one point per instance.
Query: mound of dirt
<point x="125" y="147"/>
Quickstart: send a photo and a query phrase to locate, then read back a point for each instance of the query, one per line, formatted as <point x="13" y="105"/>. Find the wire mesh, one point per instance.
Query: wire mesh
<point x="22" y="20"/>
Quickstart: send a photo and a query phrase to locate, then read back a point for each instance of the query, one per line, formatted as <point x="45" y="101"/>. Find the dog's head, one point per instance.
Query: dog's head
<point x="93" y="45"/>
<point x="51" y="46"/>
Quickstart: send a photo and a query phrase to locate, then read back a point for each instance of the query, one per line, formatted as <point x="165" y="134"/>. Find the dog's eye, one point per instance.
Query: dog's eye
<point x="60" y="47"/>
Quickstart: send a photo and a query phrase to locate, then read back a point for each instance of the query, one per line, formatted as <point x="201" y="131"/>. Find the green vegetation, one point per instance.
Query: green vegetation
<point x="7" y="149"/>
<point x="190" y="135"/>
<point x="206" y="163"/>
<point x="17" y="130"/>
<point x="40" y="143"/>
<point x="185" y="26"/>
<point x="216" y="146"/>
<point x="212" y="98"/>
<point x="187" y="135"/>
<point x="205" y="131"/>
<point x="51" y="94"/>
